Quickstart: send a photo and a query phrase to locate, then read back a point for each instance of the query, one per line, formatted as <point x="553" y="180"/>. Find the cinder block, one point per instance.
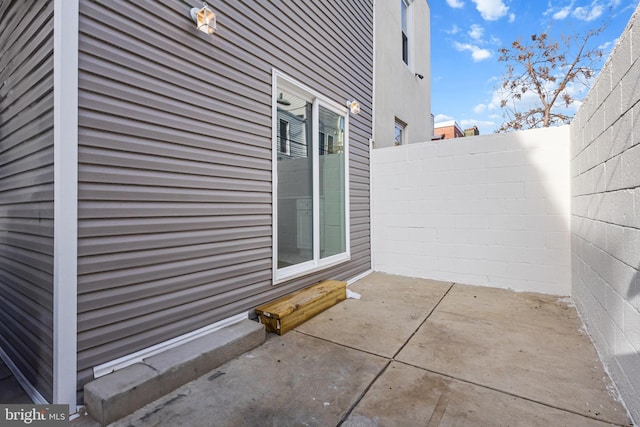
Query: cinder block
<point x="624" y="243"/>
<point x="599" y="121"/>
<point x="471" y="221"/>
<point x="634" y="29"/>
<point x="505" y="158"/>
<point x="630" y="86"/>
<point x="554" y="257"/>
<point x="595" y="180"/>
<point x="630" y="363"/>
<point x="594" y="204"/>
<point x="635" y="113"/>
<point x="621" y="59"/>
<point x="595" y="232"/>
<point x="452" y="236"/>
<point x="508" y="254"/>
<point x="634" y="291"/>
<point x="479" y="236"/>
<point x="120" y="393"/>
<point x="507" y="222"/>
<point x="631" y="167"/>
<point x="389" y="155"/>
<point x="466" y="162"/>
<point x="453" y="147"/>
<point x="626" y="374"/>
<point x="603" y="84"/>
<point x="615" y="305"/>
<point x="422" y="151"/>
<point x="597" y="287"/>
<point x="511" y="190"/>
<point x="556" y="240"/>
<point x="613" y="104"/>
<point x="546" y="222"/>
<point x="620" y="276"/>
<point x="614" y="176"/>
<point x="620" y="204"/>
<point x="518" y="207"/>
<point x="631" y="327"/>
<point x="439" y="221"/>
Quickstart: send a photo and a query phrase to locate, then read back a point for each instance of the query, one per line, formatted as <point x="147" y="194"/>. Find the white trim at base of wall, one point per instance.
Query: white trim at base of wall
<point x="31" y="391"/>
<point x="139" y="356"/>
<point x="358" y="277"/>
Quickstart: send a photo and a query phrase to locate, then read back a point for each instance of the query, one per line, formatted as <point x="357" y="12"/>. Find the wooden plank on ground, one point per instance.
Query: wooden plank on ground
<point x="284" y="314"/>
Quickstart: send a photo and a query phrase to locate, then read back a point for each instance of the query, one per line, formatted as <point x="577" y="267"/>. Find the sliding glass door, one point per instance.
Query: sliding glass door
<point x="311" y="229"/>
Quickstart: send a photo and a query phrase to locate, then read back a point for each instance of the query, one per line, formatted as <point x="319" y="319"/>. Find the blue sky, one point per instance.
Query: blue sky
<point x="466" y="36"/>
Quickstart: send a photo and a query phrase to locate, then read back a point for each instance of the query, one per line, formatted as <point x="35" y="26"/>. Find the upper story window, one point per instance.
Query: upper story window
<point x="399" y="132"/>
<point x="404" y="11"/>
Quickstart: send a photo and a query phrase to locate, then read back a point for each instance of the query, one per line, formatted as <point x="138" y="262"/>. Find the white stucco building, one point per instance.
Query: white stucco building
<point x="402" y="81"/>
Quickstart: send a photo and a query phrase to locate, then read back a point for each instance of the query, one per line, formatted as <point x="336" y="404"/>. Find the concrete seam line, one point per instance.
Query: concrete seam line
<point x="508" y="393"/>
<point x="363" y="394"/>
<point x="424" y="321"/>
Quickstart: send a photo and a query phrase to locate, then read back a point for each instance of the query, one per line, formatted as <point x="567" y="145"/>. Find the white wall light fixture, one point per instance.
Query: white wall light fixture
<point x="204" y="18"/>
<point x="354" y="107"/>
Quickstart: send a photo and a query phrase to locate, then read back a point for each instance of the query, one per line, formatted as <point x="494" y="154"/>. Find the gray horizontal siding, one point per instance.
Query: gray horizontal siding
<point x="175" y="190"/>
<point x="26" y="189"/>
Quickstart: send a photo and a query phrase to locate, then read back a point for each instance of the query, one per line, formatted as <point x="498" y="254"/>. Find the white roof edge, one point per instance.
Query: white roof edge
<point x="446" y="124"/>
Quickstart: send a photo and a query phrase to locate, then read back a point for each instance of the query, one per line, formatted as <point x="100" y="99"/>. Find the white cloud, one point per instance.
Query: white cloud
<point x="478" y="54"/>
<point x="456" y="4"/>
<point x="491" y="10"/>
<point x="438" y="118"/>
<point x="563" y="13"/>
<point x="476" y="32"/>
<point x="608" y="45"/>
<point x="588" y="13"/>
<point x="479" y="108"/>
<point x="454" y="30"/>
<point x="512" y="18"/>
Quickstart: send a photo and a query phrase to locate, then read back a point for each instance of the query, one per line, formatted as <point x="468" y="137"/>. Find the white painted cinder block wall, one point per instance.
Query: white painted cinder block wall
<point x="605" y="214"/>
<point x="486" y="210"/>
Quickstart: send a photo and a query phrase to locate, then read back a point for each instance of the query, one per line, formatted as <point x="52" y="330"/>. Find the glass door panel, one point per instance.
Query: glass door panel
<point x="295" y="179"/>
<point x="332" y="182"/>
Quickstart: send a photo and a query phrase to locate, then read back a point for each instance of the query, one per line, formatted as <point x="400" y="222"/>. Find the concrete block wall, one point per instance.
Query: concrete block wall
<point x="485" y="210"/>
<point x="605" y="214"/>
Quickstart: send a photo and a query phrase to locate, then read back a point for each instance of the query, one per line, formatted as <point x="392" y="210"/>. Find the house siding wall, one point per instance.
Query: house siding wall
<point x="26" y="189"/>
<point x="489" y="210"/>
<point x="605" y="220"/>
<point x="175" y="213"/>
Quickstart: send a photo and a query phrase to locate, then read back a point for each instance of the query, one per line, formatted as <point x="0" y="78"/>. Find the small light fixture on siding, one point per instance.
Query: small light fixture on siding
<point x="204" y="18"/>
<point x="354" y="107"/>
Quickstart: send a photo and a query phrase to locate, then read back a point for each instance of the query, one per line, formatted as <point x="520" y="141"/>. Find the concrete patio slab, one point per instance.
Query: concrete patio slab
<point x="482" y="356"/>
<point x="390" y="310"/>
<point x="522" y="344"/>
<point x="409" y="396"/>
<point x="290" y="380"/>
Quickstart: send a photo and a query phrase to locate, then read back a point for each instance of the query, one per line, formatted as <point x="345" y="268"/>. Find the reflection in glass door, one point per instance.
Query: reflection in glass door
<point x="332" y="183"/>
<point x="295" y="180"/>
<point x="311" y="211"/>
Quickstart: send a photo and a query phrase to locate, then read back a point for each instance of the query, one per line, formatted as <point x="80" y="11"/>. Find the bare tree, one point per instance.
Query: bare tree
<point x="548" y="72"/>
